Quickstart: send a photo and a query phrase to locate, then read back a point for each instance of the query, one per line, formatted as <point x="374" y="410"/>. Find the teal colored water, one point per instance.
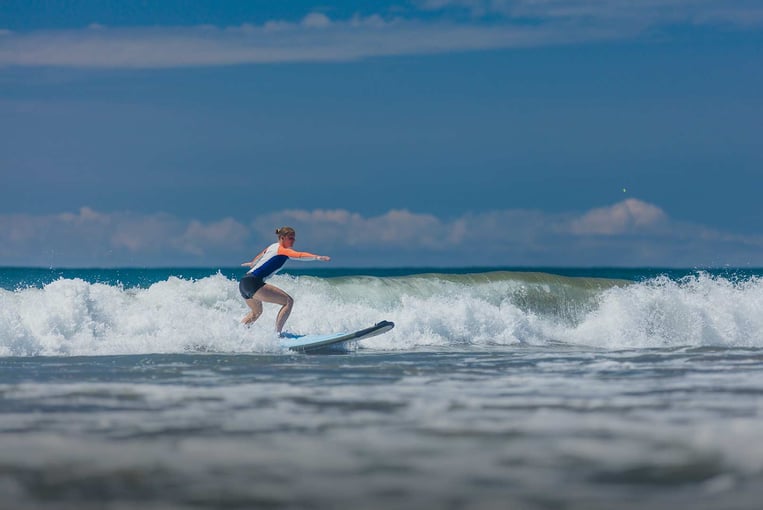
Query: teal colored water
<point x="14" y="277"/>
<point x="500" y="388"/>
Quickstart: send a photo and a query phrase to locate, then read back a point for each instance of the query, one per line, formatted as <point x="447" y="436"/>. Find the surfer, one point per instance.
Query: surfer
<point x="252" y="286"/>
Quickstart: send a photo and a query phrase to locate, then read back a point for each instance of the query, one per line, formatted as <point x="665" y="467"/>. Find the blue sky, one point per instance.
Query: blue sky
<point x="431" y="132"/>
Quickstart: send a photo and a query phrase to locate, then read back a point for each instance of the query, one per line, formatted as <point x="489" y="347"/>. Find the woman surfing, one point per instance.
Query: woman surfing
<point x="252" y="286"/>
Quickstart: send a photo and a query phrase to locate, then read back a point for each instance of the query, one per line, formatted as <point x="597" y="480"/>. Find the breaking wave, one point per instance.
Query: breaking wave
<point x="71" y="316"/>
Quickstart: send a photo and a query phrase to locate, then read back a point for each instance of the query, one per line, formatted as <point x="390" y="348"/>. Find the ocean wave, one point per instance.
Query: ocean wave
<point x="71" y="316"/>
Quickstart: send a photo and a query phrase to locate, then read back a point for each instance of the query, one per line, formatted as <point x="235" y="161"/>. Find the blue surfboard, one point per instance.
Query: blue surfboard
<point x="318" y="343"/>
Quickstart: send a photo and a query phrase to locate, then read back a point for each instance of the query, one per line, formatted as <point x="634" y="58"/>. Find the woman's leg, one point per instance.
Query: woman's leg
<point x="272" y="294"/>
<point x="256" y="306"/>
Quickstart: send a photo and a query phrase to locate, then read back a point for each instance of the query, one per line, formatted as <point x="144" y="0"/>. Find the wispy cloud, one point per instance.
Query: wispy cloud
<point x="316" y="37"/>
<point x="743" y="13"/>
<point x="89" y="237"/>
<point x="314" y="40"/>
<point x="632" y="232"/>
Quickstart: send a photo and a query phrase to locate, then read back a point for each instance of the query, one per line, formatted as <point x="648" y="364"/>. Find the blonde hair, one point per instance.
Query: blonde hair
<point x="285" y="231"/>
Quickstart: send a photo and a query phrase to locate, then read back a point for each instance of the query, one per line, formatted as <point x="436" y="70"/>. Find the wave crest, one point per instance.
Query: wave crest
<point x="71" y="316"/>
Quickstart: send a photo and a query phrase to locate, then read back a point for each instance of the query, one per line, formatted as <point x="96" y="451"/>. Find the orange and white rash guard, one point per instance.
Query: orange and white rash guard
<point x="274" y="257"/>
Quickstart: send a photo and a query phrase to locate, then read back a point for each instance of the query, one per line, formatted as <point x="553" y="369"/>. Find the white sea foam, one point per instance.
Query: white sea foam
<point x="695" y="311"/>
<point x="75" y="317"/>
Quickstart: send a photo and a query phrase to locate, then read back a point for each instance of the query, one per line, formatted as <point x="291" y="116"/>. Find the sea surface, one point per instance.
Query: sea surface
<point x="499" y="388"/>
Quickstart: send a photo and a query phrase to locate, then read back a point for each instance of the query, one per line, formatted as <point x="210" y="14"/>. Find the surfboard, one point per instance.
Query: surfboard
<point x="317" y="343"/>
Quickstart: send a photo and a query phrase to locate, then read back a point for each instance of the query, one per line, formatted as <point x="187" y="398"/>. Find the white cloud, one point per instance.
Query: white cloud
<point x="316" y="20"/>
<point x="198" y="236"/>
<point x="632" y="232"/>
<point x="394" y="229"/>
<point x="627" y="216"/>
<point x="89" y="237"/>
<point x="85" y="215"/>
<point x="316" y="37"/>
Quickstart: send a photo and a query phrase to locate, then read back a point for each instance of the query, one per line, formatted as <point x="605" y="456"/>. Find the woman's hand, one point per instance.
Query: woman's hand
<point x="324" y="258"/>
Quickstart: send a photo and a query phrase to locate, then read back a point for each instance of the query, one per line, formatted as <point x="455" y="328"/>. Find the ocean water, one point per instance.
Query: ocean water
<point x="498" y="389"/>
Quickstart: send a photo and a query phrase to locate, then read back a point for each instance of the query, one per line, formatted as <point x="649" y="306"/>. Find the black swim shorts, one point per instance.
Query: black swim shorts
<point x="250" y="284"/>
